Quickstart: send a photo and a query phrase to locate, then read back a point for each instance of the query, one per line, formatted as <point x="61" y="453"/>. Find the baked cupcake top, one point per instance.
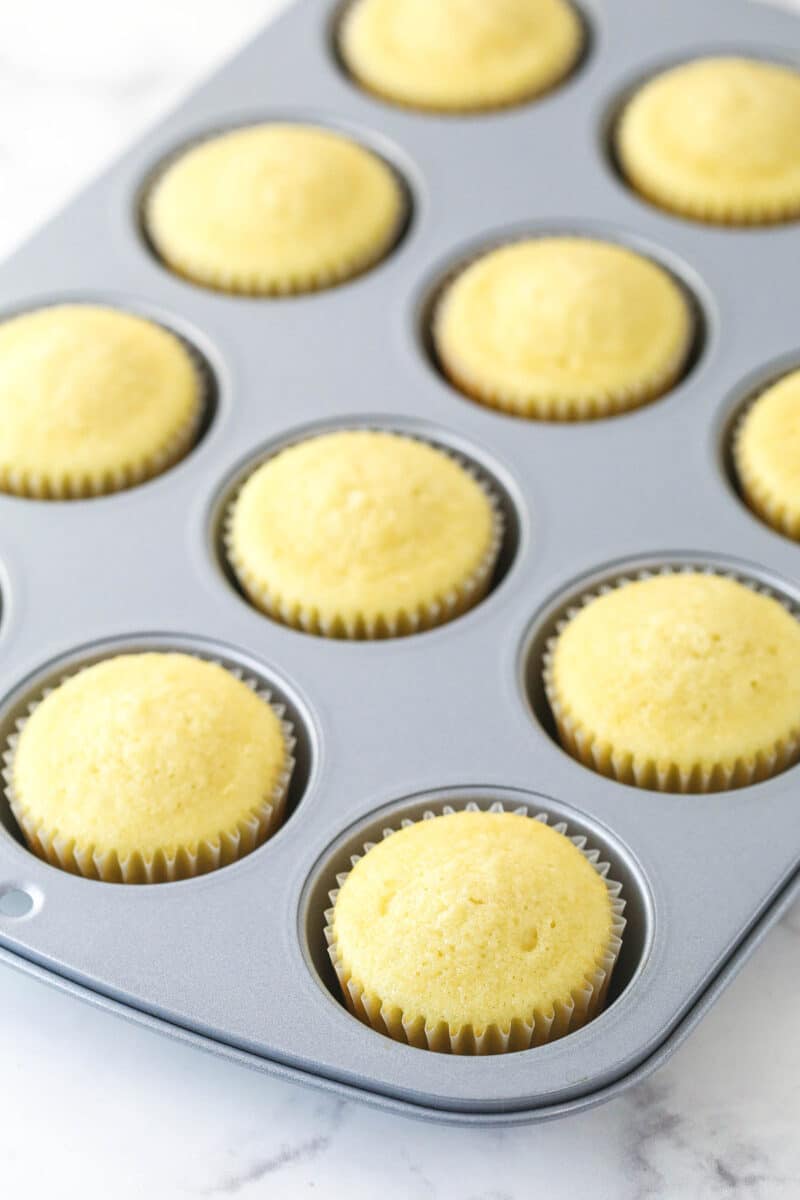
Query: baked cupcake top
<point x="767" y="455"/>
<point x="455" y="55"/>
<point x="686" y="681"/>
<point x="273" y="209"/>
<point x="563" y="328"/>
<point x="363" y="534"/>
<point x="472" y="919"/>
<point x="92" y="400"/>
<point x="148" y="754"/>
<point x="716" y="139"/>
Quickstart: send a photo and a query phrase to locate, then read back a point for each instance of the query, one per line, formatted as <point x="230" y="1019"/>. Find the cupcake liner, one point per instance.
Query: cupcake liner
<point x="385" y="625"/>
<point x="754" y="489"/>
<point x="40" y="485"/>
<point x="750" y="193"/>
<point x="165" y="864"/>
<point x="625" y="767"/>
<point x="557" y="406"/>
<point x="523" y="1033"/>
<point x="711" y="210"/>
<point x="326" y="275"/>
<point x="328" y="272"/>
<point x="479" y="99"/>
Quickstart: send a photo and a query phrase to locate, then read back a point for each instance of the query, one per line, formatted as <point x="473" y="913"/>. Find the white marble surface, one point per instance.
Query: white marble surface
<point x="91" y="1106"/>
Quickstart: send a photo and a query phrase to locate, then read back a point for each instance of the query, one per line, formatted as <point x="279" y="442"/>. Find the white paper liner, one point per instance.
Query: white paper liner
<point x="167" y="864"/>
<point x="625" y="767"/>
<point x="557" y="406"/>
<point x="693" y="205"/>
<point x="756" y="493"/>
<point x="719" y="211"/>
<point x="41" y="485"/>
<point x="328" y="272"/>
<point x="535" y="1029"/>
<point x="385" y="625"/>
<point x="479" y="99"/>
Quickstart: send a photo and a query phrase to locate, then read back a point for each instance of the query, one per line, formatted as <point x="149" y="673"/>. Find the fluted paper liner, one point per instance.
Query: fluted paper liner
<point x="558" y="406"/>
<point x="755" y="490"/>
<point x="609" y="760"/>
<point x="446" y="607"/>
<point x="529" y="1029"/>
<point x="42" y="485"/>
<point x="706" y="208"/>
<point x="473" y="100"/>
<point x="327" y="273"/>
<point x="164" y="865"/>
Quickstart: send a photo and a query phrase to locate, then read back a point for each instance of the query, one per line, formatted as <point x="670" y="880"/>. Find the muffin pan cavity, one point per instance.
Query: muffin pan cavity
<point x="491" y="475"/>
<point x="734" y="168"/>
<point x="279" y="275"/>
<point x="546" y="626"/>
<point x="731" y="426"/>
<point x="46" y="457"/>
<point x="623" y="868"/>
<point x="679" y="273"/>
<point x="235" y="959"/>
<point x="402" y="93"/>
<point x="32" y="689"/>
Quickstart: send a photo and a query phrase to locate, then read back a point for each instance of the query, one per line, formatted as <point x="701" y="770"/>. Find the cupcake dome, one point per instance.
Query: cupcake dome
<point x="474" y="932"/>
<point x="684" y="682"/>
<point x="717" y="140"/>
<point x="767" y="456"/>
<point x="92" y="400"/>
<point x="452" y="55"/>
<point x="274" y="209"/>
<point x="563" y="328"/>
<point x="363" y="534"/>
<point x="149" y="767"/>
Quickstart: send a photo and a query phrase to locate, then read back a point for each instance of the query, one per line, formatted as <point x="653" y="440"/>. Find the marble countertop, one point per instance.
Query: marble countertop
<point x="93" y="1106"/>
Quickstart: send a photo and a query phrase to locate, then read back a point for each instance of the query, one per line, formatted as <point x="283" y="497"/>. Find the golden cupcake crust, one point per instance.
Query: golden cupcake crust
<point x="413" y="920"/>
<point x="363" y="534"/>
<point x="717" y="140"/>
<point x="149" y="758"/>
<point x="452" y="55"/>
<point x="92" y="400"/>
<point x="563" y="328"/>
<point x="681" y="681"/>
<point x="767" y="455"/>
<point x="274" y="209"/>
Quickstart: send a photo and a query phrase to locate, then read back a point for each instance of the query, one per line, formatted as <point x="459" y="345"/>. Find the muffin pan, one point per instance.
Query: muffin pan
<point x="235" y="960"/>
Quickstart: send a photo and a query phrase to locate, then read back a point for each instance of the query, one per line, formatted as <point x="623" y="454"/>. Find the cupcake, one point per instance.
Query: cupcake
<point x="563" y="328"/>
<point x="274" y="209"/>
<point x="92" y="400"/>
<point x="459" y="55"/>
<point x="149" y="767"/>
<point x="717" y="140"/>
<point x="475" y="932"/>
<point x="363" y="534"/>
<point x="682" y="682"/>
<point x="766" y="455"/>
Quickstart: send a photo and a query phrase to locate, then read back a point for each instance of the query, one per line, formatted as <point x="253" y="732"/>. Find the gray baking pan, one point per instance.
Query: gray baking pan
<point x="235" y="961"/>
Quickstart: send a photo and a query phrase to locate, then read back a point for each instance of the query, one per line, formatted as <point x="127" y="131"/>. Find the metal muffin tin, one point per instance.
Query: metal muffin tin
<point x="235" y="960"/>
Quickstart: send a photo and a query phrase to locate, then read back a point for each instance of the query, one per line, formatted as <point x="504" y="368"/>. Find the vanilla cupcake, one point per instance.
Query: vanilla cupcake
<point x="476" y="932"/>
<point x="766" y="454"/>
<point x="363" y="534"/>
<point x="717" y="140"/>
<point x="149" y="767"/>
<point x="563" y="328"/>
<point x="459" y="55"/>
<point x="274" y="209"/>
<point x="92" y="400"/>
<point x="682" y="681"/>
